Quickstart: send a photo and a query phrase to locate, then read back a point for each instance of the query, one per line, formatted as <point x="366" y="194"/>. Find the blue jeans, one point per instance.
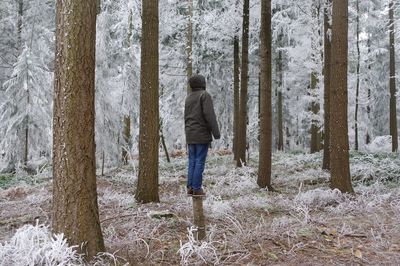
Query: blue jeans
<point x="197" y="161"/>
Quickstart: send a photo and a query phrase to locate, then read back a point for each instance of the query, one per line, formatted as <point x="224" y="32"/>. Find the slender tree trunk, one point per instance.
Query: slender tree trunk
<point x="163" y="144"/>
<point x="26" y="148"/>
<point x="147" y="188"/>
<point x="75" y="210"/>
<point x="127" y="138"/>
<point x="280" y="100"/>
<point x="340" y="167"/>
<point x="265" y="149"/>
<point x="393" y="109"/>
<point x="315" y="134"/>
<point x="20" y="16"/>
<point x="358" y="75"/>
<point x="327" y="84"/>
<point x="242" y="138"/>
<point x="368" y="137"/>
<point x="236" y="73"/>
<point x="103" y="158"/>
<point x="189" y="47"/>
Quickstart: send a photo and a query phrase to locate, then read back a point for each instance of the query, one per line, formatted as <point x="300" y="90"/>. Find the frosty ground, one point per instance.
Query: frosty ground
<point x="302" y="223"/>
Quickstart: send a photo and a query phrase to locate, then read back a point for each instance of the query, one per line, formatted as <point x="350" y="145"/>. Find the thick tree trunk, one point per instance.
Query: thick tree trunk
<point x="189" y="46"/>
<point x="236" y="73"/>
<point x="393" y="109"/>
<point x="358" y="76"/>
<point x="340" y="168"/>
<point x="242" y="130"/>
<point x="327" y="84"/>
<point x="75" y="210"/>
<point x="147" y="188"/>
<point x="265" y="149"/>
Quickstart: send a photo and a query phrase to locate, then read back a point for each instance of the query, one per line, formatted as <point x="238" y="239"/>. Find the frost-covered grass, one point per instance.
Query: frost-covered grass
<point x="304" y="222"/>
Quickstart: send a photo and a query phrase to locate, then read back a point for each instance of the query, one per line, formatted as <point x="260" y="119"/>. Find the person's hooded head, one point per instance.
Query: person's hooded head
<point x="197" y="82"/>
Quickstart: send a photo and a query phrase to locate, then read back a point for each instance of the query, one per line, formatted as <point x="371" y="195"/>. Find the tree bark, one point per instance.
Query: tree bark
<point x="236" y="73"/>
<point x="75" y="210"/>
<point x="358" y="75"/>
<point x="280" y="98"/>
<point x="368" y="136"/>
<point x="242" y="131"/>
<point x="265" y="149"/>
<point x="147" y="188"/>
<point x="327" y="84"/>
<point x="393" y="108"/>
<point x="340" y="167"/>
<point x="19" y="25"/>
<point x="315" y="134"/>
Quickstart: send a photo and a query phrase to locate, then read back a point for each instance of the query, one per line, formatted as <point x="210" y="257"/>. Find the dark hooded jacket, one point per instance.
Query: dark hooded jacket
<point x="200" y="119"/>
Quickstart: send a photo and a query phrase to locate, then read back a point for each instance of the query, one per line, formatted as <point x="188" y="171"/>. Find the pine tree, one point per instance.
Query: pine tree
<point x="358" y="75"/>
<point x="314" y="90"/>
<point x="242" y="125"/>
<point x="265" y="149"/>
<point x="75" y="209"/>
<point x="327" y="83"/>
<point x="392" y="79"/>
<point x="339" y="152"/>
<point x="147" y="188"/>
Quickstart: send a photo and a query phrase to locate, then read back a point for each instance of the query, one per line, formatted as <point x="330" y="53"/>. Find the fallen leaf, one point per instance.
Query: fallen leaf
<point x="358" y="254"/>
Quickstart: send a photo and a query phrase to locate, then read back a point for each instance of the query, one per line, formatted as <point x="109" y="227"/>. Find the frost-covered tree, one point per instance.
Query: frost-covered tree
<point x="27" y="98"/>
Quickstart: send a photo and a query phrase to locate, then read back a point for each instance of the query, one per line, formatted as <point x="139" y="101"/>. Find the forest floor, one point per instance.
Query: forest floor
<point x="302" y="223"/>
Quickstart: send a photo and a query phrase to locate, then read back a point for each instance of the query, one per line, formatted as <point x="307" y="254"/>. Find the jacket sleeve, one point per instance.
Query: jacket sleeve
<point x="209" y="115"/>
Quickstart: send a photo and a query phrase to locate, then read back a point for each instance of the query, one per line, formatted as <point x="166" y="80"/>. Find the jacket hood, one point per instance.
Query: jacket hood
<point x="197" y="82"/>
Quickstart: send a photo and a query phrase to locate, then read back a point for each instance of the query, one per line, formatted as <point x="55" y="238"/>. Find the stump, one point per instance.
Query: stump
<point x="198" y="215"/>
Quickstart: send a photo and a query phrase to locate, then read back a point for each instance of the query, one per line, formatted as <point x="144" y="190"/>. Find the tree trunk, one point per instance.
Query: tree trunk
<point x="358" y="76"/>
<point x="103" y="158"/>
<point x="164" y="146"/>
<point x="393" y="109"/>
<point x="280" y="100"/>
<point x="340" y="168"/>
<point x="127" y="138"/>
<point x="368" y="137"/>
<point x="75" y="210"/>
<point x="189" y="47"/>
<point x="19" y="26"/>
<point x="236" y="73"/>
<point x="327" y="84"/>
<point x="236" y="84"/>
<point x="265" y="149"/>
<point x="147" y="188"/>
<point x="242" y="130"/>
<point x="315" y="134"/>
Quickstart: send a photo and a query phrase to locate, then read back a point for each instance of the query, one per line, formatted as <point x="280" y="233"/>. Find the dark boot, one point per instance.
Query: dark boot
<point x="189" y="191"/>
<point x="199" y="193"/>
